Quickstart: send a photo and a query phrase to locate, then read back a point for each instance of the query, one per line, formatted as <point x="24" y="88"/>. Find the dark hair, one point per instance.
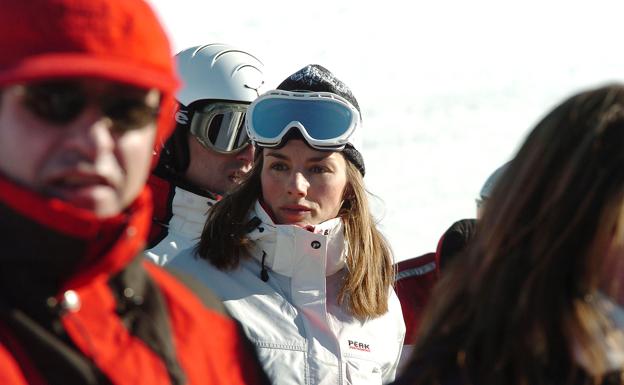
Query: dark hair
<point x="369" y="274"/>
<point x="454" y="241"/>
<point x="511" y="310"/>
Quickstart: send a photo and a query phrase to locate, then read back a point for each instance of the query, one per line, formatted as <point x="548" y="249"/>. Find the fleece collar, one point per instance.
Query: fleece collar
<point x="66" y="246"/>
<point x="286" y="245"/>
<point x="189" y="212"/>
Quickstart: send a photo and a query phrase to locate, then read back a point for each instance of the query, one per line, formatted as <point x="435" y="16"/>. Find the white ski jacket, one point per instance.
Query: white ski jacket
<point x="301" y="333"/>
<point x="189" y="212"/>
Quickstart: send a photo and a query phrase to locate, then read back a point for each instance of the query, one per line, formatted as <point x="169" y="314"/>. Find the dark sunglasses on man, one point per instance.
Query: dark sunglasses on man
<point x="59" y="102"/>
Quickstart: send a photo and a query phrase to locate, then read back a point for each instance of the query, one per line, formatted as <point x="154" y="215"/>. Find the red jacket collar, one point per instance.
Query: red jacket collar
<point x="111" y="242"/>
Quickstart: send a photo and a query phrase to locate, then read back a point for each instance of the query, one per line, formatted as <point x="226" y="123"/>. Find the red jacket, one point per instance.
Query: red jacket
<point x="416" y="277"/>
<point x="414" y="283"/>
<point x="79" y="304"/>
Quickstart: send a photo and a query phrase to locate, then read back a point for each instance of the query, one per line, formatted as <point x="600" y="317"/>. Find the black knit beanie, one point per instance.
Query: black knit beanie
<point x="316" y="78"/>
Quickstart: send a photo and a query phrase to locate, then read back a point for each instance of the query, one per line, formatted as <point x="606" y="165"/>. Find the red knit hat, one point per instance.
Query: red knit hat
<point x="118" y="40"/>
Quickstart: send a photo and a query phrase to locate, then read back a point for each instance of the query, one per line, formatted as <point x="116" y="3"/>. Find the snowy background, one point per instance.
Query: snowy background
<point x="448" y="89"/>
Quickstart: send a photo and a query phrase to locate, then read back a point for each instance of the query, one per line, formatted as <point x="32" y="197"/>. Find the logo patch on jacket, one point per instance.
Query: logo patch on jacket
<point x="359" y="346"/>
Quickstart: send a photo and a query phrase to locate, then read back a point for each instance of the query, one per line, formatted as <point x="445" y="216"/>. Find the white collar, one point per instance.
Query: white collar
<point x="285" y="245"/>
<point x="189" y="211"/>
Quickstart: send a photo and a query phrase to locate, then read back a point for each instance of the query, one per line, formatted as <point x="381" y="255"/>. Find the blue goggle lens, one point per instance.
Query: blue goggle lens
<point x="322" y="119"/>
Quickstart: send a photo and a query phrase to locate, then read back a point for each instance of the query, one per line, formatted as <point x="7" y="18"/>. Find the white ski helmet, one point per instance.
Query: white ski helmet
<point x="488" y="187"/>
<point x="218" y="72"/>
<point x="218" y="82"/>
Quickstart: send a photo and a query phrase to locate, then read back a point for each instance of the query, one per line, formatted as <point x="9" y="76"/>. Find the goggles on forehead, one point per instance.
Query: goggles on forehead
<point x="219" y="126"/>
<point x="325" y="120"/>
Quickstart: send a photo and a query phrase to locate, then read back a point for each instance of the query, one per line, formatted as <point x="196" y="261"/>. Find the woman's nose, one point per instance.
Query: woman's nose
<point x="298" y="184"/>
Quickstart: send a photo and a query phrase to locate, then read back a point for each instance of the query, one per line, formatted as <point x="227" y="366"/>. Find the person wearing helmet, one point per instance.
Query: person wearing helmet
<point x="417" y="277"/>
<point x="86" y="89"/>
<point x="209" y="151"/>
<point x="488" y="187"/>
<point x="294" y="253"/>
<point x="537" y="297"/>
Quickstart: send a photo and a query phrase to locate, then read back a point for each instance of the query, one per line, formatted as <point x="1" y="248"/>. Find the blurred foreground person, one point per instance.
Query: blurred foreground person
<point x="86" y="89"/>
<point x="294" y="251"/>
<point x="209" y="151"/>
<point x="538" y="298"/>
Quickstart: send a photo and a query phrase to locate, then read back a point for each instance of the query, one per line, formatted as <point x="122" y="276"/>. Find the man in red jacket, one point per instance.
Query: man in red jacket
<point x="86" y="91"/>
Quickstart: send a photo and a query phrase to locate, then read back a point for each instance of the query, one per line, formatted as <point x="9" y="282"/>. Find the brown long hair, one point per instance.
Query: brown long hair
<point x="369" y="273"/>
<point x="508" y="310"/>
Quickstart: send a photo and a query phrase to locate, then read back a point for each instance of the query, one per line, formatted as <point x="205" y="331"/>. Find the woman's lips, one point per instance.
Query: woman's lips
<point x="295" y="210"/>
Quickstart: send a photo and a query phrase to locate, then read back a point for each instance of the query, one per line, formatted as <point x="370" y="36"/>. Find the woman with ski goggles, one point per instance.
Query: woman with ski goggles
<point x="294" y="252"/>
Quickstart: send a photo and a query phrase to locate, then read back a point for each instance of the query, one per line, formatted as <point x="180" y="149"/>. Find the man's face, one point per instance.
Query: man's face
<point x="88" y="142"/>
<point x="216" y="172"/>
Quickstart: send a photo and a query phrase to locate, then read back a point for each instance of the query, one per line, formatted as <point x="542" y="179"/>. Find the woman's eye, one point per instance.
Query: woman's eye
<point x="278" y="166"/>
<point x="319" y="169"/>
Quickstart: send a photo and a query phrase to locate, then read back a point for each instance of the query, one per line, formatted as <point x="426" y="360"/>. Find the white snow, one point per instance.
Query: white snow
<point x="448" y="89"/>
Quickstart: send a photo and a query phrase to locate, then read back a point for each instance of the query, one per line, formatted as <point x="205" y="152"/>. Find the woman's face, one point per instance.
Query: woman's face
<point x="303" y="186"/>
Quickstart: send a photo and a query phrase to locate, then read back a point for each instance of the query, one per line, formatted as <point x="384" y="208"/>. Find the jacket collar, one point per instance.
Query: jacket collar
<point x="189" y="212"/>
<point x="68" y="246"/>
<point x="285" y="245"/>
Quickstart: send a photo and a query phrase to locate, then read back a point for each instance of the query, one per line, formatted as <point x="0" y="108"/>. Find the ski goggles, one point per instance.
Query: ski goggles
<point x="60" y="102"/>
<point x="325" y="120"/>
<point x="220" y="126"/>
